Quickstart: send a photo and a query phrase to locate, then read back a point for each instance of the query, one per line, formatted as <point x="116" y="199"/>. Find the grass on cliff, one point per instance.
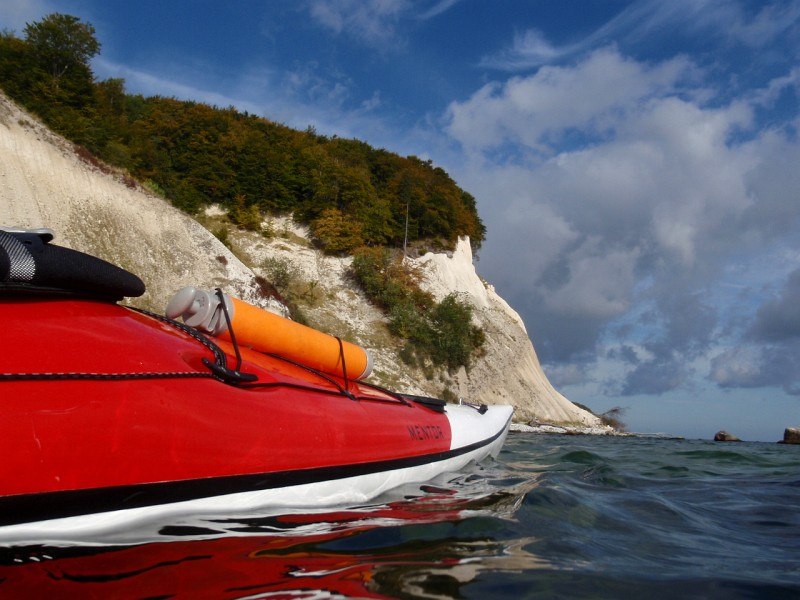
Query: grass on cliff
<point x="440" y="334"/>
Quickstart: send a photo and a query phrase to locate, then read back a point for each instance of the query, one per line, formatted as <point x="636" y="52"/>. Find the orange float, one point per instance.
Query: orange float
<point x="269" y="333"/>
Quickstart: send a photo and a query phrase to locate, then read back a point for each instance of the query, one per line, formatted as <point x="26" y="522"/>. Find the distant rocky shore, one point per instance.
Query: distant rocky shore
<point x="790" y="436"/>
<point x="550" y="429"/>
<point x="604" y="430"/>
<point x="564" y="429"/>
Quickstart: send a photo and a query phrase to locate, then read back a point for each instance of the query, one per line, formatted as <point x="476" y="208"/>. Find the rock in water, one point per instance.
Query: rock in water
<point x="724" y="436"/>
<point x="791" y="436"/>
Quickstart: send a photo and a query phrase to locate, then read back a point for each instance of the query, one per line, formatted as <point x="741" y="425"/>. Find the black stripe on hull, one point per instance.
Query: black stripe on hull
<point x="31" y="508"/>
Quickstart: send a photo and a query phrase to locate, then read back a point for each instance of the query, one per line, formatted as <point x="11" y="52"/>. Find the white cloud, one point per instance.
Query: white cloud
<point x="776" y="87"/>
<point x="567" y="374"/>
<point x="739" y="366"/>
<point x="771" y="21"/>
<point x="534" y="110"/>
<point x="372" y="21"/>
<point x="529" y="49"/>
<point x="649" y="20"/>
<point x="151" y="84"/>
<point x="438" y="8"/>
<point x="533" y="233"/>
<point x="665" y="178"/>
<point x="599" y="282"/>
<point x="775" y="181"/>
<point x="307" y="84"/>
<point x="778" y="319"/>
<point x="759" y="366"/>
<point x="14" y="14"/>
<point x="597" y="177"/>
<point x="694" y="187"/>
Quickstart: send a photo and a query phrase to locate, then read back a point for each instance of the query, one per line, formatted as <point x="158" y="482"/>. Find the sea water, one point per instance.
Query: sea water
<point x="552" y="517"/>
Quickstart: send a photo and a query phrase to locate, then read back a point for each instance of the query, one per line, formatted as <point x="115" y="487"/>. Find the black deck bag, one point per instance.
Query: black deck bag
<point x="29" y="263"/>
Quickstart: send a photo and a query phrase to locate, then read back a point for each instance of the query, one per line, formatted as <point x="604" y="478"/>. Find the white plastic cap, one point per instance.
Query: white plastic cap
<point x="200" y="309"/>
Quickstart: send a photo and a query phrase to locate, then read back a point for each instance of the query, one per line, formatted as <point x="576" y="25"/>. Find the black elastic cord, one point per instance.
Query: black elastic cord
<point x="396" y="395"/>
<point x="344" y="369"/>
<point x="232" y="376"/>
<point x="224" y="306"/>
<point x="219" y="367"/>
<point x="339" y="391"/>
<point x="219" y="357"/>
<point x="105" y="376"/>
<point x="313" y="371"/>
<point x="481" y="408"/>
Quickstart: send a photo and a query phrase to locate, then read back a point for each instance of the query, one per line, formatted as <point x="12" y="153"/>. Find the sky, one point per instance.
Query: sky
<point x="636" y="163"/>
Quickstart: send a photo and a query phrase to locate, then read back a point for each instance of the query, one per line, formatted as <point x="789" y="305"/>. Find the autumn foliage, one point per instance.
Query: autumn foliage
<point x="349" y="193"/>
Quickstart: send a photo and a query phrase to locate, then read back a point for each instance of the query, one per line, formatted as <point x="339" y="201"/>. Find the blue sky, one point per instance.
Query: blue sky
<point x="637" y="164"/>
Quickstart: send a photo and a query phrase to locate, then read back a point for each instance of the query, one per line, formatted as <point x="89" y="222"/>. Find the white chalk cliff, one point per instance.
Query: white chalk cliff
<point x="509" y="372"/>
<point x="43" y="183"/>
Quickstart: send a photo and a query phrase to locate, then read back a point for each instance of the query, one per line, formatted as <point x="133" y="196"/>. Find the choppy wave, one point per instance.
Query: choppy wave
<point x="553" y="517"/>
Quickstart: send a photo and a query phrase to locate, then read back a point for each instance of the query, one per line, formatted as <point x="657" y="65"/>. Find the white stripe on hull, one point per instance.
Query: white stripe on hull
<point x="468" y="427"/>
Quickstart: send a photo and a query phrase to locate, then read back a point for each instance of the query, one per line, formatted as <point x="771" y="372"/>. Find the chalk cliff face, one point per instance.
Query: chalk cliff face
<point x="43" y="183"/>
<point x="509" y="372"/>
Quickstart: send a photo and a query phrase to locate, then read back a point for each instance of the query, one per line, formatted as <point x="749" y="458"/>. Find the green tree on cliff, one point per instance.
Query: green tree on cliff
<point x="63" y="45"/>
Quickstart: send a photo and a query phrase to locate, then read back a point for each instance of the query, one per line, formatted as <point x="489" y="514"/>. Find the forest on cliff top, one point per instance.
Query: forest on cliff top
<point x="348" y="192"/>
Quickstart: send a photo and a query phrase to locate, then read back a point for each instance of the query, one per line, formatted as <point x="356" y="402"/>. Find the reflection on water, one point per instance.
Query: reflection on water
<point x="422" y="541"/>
<point x="554" y="517"/>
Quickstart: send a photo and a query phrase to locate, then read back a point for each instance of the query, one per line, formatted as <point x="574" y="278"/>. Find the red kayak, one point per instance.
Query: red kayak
<point x="111" y="414"/>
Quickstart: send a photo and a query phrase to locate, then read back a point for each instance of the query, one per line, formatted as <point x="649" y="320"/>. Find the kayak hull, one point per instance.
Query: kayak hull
<point x="209" y="496"/>
<point x="110" y="415"/>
